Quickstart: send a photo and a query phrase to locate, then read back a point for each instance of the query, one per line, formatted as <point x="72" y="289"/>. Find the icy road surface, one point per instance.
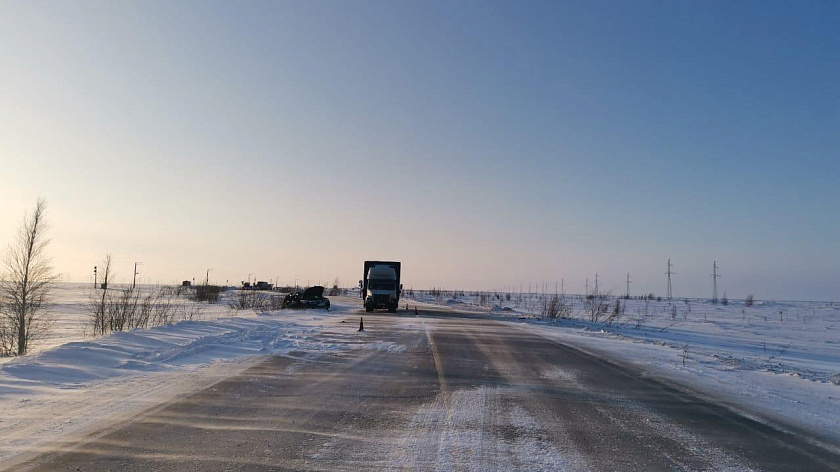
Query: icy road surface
<point x="440" y="392"/>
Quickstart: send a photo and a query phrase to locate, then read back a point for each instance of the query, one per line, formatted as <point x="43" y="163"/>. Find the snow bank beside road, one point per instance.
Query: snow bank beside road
<point x="79" y="386"/>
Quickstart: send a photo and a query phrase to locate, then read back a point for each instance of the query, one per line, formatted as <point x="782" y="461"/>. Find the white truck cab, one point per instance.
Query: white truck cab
<point x="381" y="286"/>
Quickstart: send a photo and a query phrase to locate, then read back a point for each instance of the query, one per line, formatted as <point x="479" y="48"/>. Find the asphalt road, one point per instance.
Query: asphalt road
<point x="440" y="392"/>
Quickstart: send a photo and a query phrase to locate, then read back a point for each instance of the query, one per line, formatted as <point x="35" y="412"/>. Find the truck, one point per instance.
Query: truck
<point x="380" y="286"/>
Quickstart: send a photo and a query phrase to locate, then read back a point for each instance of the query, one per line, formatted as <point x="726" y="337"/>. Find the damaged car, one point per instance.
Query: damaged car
<point x="312" y="297"/>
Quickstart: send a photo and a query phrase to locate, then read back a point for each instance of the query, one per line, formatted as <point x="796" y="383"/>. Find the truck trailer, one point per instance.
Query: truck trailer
<point x="380" y="285"/>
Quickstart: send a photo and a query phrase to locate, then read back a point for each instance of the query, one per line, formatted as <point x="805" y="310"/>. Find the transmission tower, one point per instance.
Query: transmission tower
<point x="596" y="283"/>
<point x="715" y="276"/>
<point x="669" y="273"/>
<point x="627" y="294"/>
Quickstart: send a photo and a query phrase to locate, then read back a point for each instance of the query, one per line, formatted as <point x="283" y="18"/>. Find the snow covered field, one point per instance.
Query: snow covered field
<point x="777" y="360"/>
<point x="74" y="384"/>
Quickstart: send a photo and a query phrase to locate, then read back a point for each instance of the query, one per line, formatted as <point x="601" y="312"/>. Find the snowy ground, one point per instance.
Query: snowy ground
<point x="778" y="360"/>
<point x="70" y="310"/>
<point x="74" y="384"/>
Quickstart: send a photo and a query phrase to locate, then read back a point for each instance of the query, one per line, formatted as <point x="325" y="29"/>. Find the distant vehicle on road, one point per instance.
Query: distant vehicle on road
<point x="380" y="287"/>
<point x="313" y="297"/>
<point x="261" y="285"/>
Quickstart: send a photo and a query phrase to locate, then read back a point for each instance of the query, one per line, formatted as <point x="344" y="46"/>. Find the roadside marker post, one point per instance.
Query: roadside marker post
<point x="361" y="324"/>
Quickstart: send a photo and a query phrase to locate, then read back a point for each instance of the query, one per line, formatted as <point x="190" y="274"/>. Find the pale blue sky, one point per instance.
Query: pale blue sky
<point x="484" y="144"/>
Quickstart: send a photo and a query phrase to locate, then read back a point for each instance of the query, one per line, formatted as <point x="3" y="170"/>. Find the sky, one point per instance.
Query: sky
<point x="486" y="145"/>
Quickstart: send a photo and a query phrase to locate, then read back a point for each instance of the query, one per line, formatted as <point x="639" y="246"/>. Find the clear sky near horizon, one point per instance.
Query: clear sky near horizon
<point x="487" y="145"/>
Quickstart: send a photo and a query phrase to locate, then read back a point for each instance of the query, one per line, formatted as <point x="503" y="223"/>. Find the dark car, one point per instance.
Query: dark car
<point x="313" y="297"/>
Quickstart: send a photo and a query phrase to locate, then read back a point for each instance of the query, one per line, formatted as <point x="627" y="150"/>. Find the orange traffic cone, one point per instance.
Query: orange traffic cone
<point x="361" y="324"/>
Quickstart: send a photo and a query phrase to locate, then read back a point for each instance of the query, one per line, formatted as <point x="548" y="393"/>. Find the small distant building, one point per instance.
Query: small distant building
<point x="263" y="285"/>
<point x="186" y="283"/>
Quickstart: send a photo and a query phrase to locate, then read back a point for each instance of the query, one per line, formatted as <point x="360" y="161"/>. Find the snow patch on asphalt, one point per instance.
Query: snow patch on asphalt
<point x="564" y="376"/>
<point x="697" y="454"/>
<point x="384" y="346"/>
<point x="474" y="430"/>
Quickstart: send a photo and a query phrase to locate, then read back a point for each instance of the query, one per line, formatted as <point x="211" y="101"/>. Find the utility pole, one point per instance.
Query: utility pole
<point x="627" y="294"/>
<point x="134" y="282"/>
<point x="207" y="278"/>
<point x="587" y="287"/>
<point x="670" y="273"/>
<point x="94" y="277"/>
<point x="715" y="276"/>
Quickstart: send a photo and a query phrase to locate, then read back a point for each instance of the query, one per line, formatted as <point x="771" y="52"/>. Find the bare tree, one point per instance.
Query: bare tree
<point x="25" y="287"/>
<point x="99" y="303"/>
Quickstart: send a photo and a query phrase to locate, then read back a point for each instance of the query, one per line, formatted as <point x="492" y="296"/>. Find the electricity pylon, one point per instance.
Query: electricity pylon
<point x="627" y="294"/>
<point x="715" y="276"/>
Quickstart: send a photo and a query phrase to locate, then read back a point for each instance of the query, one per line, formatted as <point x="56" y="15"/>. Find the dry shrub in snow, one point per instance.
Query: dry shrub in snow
<point x="617" y="312"/>
<point x="596" y="304"/>
<point x="255" y="300"/>
<point x="556" y="307"/>
<point x="206" y="293"/>
<point x="123" y="309"/>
